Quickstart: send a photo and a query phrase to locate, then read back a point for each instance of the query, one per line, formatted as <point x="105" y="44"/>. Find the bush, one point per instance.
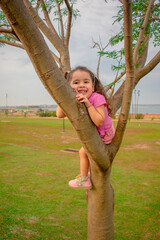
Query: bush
<point x="139" y="116"/>
<point x="129" y="117"/>
<point x="53" y="114"/>
<point x="25" y="114"/>
<point x="6" y="113"/>
<point x="44" y="114"/>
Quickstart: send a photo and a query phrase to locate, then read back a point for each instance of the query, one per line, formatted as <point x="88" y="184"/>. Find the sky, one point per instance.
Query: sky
<point x="21" y="85"/>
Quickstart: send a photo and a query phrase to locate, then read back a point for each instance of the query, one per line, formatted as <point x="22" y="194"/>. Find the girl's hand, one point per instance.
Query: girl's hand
<point x="60" y="113"/>
<point x="83" y="99"/>
<point x="97" y="114"/>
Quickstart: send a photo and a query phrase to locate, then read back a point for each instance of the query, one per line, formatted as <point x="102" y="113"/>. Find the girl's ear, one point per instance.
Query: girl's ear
<point x="66" y="75"/>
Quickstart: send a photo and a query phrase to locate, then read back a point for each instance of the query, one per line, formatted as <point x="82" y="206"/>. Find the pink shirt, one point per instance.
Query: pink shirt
<point x="97" y="100"/>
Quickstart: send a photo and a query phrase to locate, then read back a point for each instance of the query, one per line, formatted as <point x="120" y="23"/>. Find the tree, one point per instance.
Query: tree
<point x="101" y="156"/>
<point x="60" y="10"/>
<point x="146" y="27"/>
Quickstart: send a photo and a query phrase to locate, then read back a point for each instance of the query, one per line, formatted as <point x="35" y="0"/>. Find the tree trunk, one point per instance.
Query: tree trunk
<point x="65" y="61"/>
<point x="100" y="207"/>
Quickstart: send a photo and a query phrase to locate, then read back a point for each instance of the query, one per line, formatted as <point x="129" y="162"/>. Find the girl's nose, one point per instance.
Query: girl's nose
<point x="81" y="84"/>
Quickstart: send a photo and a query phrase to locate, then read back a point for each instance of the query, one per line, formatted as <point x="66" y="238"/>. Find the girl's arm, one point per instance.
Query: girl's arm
<point x="60" y="113"/>
<point x="97" y="114"/>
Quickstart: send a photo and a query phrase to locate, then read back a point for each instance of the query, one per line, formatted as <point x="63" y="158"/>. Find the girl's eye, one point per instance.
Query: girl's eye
<point x="75" y="82"/>
<point x="86" y="82"/>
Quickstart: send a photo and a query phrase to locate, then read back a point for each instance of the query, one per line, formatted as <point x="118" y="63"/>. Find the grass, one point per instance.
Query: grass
<point x="35" y="200"/>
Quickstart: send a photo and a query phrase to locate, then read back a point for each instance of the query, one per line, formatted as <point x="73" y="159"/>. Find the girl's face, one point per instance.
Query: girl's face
<point x="81" y="82"/>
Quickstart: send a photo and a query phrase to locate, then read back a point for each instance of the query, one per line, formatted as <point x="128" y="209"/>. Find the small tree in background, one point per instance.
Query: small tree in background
<point x="146" y="30"/>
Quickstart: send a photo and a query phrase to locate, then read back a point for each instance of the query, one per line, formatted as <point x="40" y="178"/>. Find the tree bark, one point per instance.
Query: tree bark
<point x="100" y="206"/>
<point x="143" y="29"/>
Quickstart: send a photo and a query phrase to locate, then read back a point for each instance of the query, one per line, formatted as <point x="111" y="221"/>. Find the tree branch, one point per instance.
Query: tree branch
<point x="47" y="18"/>
<point x="101" y="49"/>
<point x="38" y="4"/>
<point x="21" y="46"/>
<point x="61" y="20"/>
<point x="11" y="43"/>
<point x="69" y="23"/>
<point x="142" y="31"/>
<point x="4" y="30"/>
<point x="148" y="68"/>
<point x="129" y="73"/>
<point x="115" y="81"/>
<point x="55" y="58"/>
<point x="52" y="37"/>
<point x="154" y="18"/>
<point x="141" y="59"/>
<point x="117" y="98"/>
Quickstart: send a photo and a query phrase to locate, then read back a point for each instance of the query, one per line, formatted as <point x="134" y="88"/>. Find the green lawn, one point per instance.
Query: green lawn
<point x="35" y="200"/>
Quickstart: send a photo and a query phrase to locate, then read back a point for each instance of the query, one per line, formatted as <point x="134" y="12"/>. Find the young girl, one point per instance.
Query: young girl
<point x="90" y="92"/>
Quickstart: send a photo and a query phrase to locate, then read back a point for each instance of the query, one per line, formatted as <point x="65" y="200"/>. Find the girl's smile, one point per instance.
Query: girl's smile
<point x="81" y="82"/>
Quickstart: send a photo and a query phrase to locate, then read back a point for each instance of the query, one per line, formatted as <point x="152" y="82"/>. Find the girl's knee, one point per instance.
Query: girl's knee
<point x="82" y="152"/>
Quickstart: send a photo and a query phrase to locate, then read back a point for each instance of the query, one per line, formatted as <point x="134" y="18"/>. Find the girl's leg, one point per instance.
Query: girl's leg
<point x="84" y="162"/>
<point x="82" y="181"/>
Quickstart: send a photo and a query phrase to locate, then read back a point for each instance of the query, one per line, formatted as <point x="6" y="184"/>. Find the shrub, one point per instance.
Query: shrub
<point x="53" y="114"/>
<point x="44" y="114"/>
<point x="129" y="117"/>
<point x="6" y="113"/>
<point x="25" y="114"/>
<point x="139" y="116"/>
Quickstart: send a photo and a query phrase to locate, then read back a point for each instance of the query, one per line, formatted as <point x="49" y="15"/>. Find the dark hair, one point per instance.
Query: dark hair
<point x="98" y="87"/>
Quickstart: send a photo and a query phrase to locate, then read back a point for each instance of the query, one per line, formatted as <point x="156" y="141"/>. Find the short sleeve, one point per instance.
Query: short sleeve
<point x="98" y="100"/>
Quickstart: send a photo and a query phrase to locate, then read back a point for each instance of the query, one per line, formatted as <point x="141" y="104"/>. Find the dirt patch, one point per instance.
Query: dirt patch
<point x="148" y="166"/>
<point x="32" y="220"/>
<point x="25" y="233"/>
<point x="68" y="139"/>
<point x="43" y="174"/>
<point x="135" y="130"/>
<point x="137" y="146"/>
<point x="5" y="121"/>
<point x="4" y="155"/>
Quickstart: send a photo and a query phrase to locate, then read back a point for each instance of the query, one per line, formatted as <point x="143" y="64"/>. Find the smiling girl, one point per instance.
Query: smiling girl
<point x="90" y="92"/>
